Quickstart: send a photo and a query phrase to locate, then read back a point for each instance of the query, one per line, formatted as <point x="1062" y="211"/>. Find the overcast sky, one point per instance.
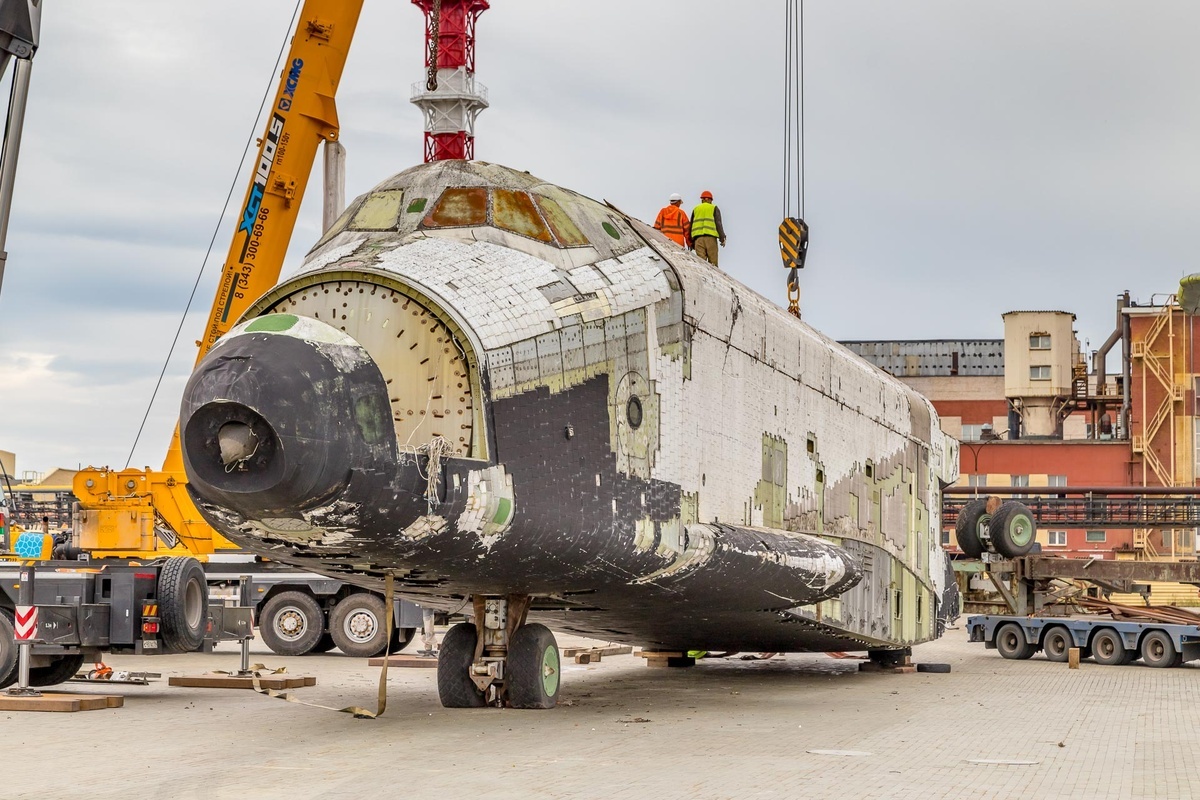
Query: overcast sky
<point x="963" y="160"/>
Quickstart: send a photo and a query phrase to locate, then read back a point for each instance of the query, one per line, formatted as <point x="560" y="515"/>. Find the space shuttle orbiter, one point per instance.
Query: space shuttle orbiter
<point x="530" y="407"/>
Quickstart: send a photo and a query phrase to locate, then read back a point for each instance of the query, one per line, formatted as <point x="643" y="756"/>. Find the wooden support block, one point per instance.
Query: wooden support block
<point x="583" y="658"/>
<point x="1073" y="658"/>
<point x="60" y="701"/>
<point x="903" y="669"/>
<point x="215" y="681"/>
<point x="598" y="652"/>
<point x="660" y="654"/>
<point x="416" y="662"/>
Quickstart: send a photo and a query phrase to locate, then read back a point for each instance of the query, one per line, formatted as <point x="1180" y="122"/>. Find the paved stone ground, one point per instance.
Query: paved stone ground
<point x="724" y="729"/>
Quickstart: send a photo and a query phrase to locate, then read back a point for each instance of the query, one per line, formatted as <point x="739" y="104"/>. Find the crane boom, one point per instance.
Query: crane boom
<point x="121" y="510"/>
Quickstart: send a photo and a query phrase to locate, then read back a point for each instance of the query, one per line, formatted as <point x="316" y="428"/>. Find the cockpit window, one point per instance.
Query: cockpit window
<point x="564" y="229"/>
<point x="380" y="211"/>
<point x="458" y="208"/>
<point x="514" y="211"/>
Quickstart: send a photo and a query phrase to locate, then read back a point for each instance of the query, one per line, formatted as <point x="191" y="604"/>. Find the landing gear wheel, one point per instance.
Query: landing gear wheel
<point x="1013" y="530"/>
<point x="182" y="604"/>
<point x="1057" y="644"/>
<point x="455" y="657"/>
<point x="358" y="625"/>
<point x="1011" y="643"/>
<point x="8" y="651"/>
<point x="1158" y="650"/>
<point x="966" y="529"/>
<point x="61" y="669"/>
<point x="1108" y="648"/>
<point x="533" y="669"/>
<point x="291" y="623"/>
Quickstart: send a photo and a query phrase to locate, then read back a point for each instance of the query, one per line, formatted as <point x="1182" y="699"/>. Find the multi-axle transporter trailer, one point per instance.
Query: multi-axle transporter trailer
<point x="1106" y="641"/>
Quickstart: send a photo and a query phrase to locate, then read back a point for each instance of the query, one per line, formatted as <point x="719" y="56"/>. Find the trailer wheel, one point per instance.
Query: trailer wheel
<point x="1158" y="650"/>
<point x="62" y="669"/>
<point x="8" y="650"/>
<point x="1108" y="648"/>
<point x="1011" y="643"/>
<point x="455" y="657"/>
<point x="1013" y="530"/>
<point x="291" y="623"/>
<point x="182" y="604"/>
<point x="1057" y="644"/>
<point x="966" y="529"/>
<point x="358" y="625"/>
<point x="324" y="644"/>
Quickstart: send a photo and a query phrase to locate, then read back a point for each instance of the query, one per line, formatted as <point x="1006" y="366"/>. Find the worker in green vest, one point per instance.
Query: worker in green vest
<point x="707" y="229"/>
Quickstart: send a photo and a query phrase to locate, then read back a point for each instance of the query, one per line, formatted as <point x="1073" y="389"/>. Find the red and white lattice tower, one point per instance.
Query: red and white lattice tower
<point x="449" y="97"/>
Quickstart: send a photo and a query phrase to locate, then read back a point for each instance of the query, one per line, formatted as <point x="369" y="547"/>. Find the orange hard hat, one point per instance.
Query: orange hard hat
<point x="706" y="195"/>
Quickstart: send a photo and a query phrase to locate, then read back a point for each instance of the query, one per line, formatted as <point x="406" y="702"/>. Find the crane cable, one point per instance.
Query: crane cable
<point x="217" y="229"/>
<point x="793" y="232"/>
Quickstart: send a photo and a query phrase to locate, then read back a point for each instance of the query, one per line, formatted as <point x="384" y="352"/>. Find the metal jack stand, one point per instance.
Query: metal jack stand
<point x="26" y="625"/>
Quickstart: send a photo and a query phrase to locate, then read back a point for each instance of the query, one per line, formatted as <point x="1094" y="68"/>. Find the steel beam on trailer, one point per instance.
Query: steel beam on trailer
<point x="1046" y="567"/>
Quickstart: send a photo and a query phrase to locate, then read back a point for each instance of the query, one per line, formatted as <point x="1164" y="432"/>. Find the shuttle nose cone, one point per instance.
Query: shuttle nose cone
<point x="279" y="414"/>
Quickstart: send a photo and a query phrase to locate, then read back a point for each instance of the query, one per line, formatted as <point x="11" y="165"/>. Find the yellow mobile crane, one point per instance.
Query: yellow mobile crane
<point x="132" y="512"/>
<point x="142" y="514"/>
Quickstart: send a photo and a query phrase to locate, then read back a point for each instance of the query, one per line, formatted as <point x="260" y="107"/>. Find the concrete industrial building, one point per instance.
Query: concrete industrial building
<point x="1029" y="412"/>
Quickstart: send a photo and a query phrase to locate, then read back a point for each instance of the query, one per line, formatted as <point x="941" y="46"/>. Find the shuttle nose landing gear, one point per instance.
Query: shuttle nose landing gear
<point x="500" y="660"/>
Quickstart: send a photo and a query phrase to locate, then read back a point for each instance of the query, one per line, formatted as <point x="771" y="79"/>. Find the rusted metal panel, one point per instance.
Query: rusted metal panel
<point x="514" y="211"/>
<point x="459" y="208"/>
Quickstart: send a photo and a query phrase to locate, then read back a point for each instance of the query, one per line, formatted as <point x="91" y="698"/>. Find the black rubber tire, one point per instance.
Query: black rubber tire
<point x="61" y="670"/>
<point x="1011" y="643"/>
<point x="324" y="644"/>
<point x="455" y="657"/>
<point x="1158" y="650"/>
<point x="401" y="638"/>
<point x="182" y="604"/>
<point x="8" y="650"/>
<point x="934" y="668"/>
<point x="534" y="670"/>
<point x="1057" y="643"/>
<point x="966" y="529"/>
<point x="1108" y="648"/>
<point x="291" y="623"/>
<point x="1013" y="530"/>
<point x="358" y="625"/>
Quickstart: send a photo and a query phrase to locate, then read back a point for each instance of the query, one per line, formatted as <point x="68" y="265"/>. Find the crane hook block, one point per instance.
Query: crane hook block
<point x="793" y="242"/>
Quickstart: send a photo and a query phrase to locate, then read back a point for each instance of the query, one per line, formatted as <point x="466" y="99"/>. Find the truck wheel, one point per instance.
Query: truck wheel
<point x="401" y="638"/>
<point x="182" y="604"/>
<point x="966" y="529"/>
<point x="455" y="688"/>
<point x="8" y="651"/>
<point x="291" y="623"/>
<point x="534" y="670"/>
<point x="60" y="670"/>
<point x="358" y="625"/>
<point x="1011" y="643"/>
<point x="1158" y="650"/>
<point x="1057" y="644"/>
<point x="1013" y="530"/>
<point x="1108" y="648"/>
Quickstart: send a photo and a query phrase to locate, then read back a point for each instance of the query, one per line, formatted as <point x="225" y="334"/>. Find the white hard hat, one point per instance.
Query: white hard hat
<point x="675" y="196"/>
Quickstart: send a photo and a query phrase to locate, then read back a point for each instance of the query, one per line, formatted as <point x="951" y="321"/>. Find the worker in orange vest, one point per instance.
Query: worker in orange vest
<point x="673" y="222"/>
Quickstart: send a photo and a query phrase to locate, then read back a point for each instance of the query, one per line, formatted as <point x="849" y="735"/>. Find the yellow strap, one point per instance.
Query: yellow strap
<point x="358" y="712"/>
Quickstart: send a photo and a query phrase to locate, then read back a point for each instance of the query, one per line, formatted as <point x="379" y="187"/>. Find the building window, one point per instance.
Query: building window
<point x="946" y="538"/>
<point x="972" y="433"/>
<point x="1058" y="539"/>
<point x="1039" y="341"/>
<point x="977" y="480"/>
<point x="1039" y="373"/>
<point x="1097" y="536"/>
<point x="1196" y="423"/>
<point x="1056" y="480"/>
